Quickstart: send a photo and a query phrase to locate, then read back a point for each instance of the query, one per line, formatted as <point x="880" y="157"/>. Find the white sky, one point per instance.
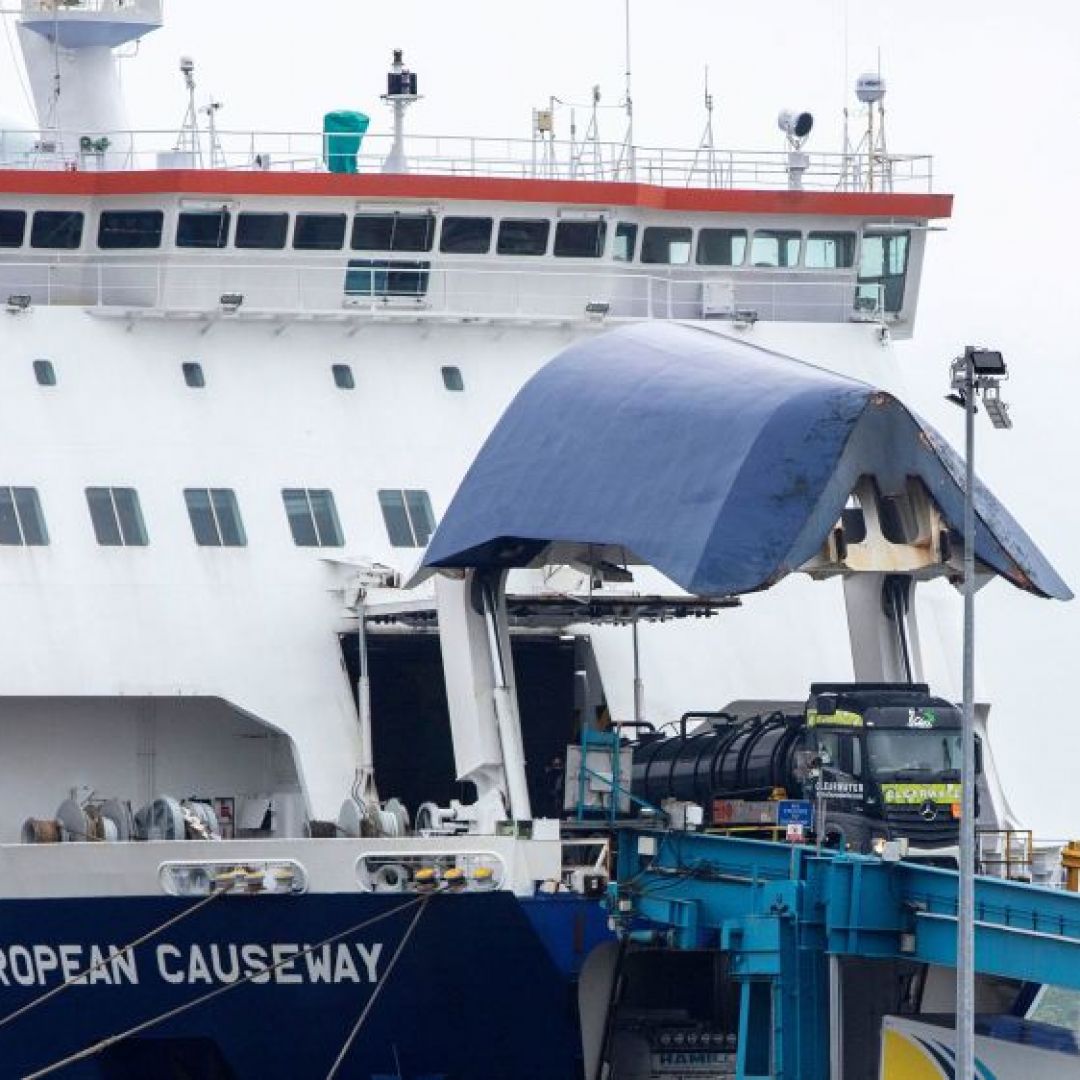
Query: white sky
<point x="990" y="87"/>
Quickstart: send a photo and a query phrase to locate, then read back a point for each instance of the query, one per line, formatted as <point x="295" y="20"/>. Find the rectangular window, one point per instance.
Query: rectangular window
<point x="408" y="517"/>
<point x="44" y="373"/>
<point x="520" y="237"/>
<point x="882" y="271"/>
<point x="393" y="232"/>
<point x="721" y="247"/>
<point x="117" y="517"/>
<point x="130" y="229"/>
<point x="203" y="228"/>
<point x="312" y="517"/>
<point x="466" y="235"/>
<point x="12" y="228"/>
<point x="22" y="523"/>
<point x="830" y="250"/>
<point x="319" y="232"/>
<point x="625" y="242"/>
<point x="775" y="248"/>
<point x="381" y="278"/>
<point x="215" y="517"/>
<point x="580" y="239"/>
<point x="666" y="245"/>
<point x="56" y="229"/>
<point x="265" y="231"/>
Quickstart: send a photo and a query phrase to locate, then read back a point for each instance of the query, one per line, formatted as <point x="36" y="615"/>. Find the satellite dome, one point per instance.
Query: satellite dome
<point x="870" y="88"/>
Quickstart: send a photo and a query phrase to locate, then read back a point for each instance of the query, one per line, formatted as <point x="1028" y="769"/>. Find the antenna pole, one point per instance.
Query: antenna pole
<point x="629" y="98"/>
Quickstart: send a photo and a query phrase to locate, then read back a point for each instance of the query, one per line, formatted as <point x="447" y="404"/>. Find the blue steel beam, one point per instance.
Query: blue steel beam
<point x="780" y="911"/>
<point x="694" y="890"/>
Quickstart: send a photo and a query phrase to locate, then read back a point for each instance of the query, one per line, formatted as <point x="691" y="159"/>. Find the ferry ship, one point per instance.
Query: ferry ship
<point x="244" y="374"/>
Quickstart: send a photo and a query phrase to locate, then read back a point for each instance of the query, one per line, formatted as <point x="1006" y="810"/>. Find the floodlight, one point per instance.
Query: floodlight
<point x="986" y="361"/>
<point x="597" y="309"/>
<point x="231" y="301"/>
<point x="18" y="302"/>
<point x="795" y="124"/>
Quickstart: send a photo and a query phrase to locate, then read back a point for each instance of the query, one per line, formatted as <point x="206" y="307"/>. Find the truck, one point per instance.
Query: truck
<point x="874" y="761"/>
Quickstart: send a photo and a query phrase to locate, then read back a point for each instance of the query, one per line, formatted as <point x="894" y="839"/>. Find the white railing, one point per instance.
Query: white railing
<point x="126" y="8"/>
<point x="464" y="156"/>
<point x="470" y="293"/>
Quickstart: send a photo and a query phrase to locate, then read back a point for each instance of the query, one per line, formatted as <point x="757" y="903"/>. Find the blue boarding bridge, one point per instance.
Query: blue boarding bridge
<point x="727" y="467"/>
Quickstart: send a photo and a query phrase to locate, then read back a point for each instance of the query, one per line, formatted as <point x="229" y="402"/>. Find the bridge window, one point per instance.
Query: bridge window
<point x="193" y="374"/>
<point x="264" y="231"/>
<point x="452" y="379"/>
<point x="319" y="232"/>
<point x="625" y="242"/>
<point x="116" y="516"/>
<point x="380" y="278"/>
<point x="882" y="271"/>
<point x="393" y="232"/>
<point x="215" y="517"/>
<point x="343" y="377"/>
<point x="12" y="228"/>
<point x="775" y="248"/>
<point x="580" y="239"/>
<point x="665" y="245"/>
<point x="130" y="229"/>
<point x="22" y="524"/>
<point x="313" y="518"/>
<point x="44" y="373"/>
<point x="721" y="247"/>
<point x="408" y="517"/>
<point x="523" y="237"/>
<point x="830" y="250"/>
<point x="203" y="228"/>
<point x="466" y="235"/>
<point x="56" y="229"/>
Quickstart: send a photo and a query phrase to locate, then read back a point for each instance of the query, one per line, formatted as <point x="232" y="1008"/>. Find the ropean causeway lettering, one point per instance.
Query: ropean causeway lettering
<point x="189" y="965"/>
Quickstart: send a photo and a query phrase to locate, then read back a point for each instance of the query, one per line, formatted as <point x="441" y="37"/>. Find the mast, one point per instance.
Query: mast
<point x="73" y="71"/>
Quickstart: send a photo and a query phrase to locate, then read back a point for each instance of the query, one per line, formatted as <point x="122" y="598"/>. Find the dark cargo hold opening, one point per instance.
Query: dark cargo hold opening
<point x="414" y="752"/>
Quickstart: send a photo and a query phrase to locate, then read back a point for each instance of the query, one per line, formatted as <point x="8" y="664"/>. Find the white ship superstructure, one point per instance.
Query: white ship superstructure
<point x="243" y="377"/>
<point x="236" y="399"/>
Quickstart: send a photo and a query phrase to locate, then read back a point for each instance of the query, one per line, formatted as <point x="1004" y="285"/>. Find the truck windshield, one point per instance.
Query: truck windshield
<point x="908" y="754"/>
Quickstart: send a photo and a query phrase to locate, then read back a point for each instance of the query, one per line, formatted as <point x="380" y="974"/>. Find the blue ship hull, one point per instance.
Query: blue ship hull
<point x="484" y="988"/>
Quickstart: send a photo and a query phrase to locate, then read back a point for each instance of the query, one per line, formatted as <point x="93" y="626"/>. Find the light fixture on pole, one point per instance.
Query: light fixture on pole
<point x="978" y="373"/>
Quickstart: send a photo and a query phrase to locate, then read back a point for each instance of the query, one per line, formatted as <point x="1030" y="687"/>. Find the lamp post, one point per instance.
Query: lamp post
<point x="979" y="372"/>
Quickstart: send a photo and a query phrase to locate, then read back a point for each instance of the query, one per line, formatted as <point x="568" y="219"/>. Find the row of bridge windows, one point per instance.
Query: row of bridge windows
<point x="117" y="518"/>
<point x="458" y="234"/>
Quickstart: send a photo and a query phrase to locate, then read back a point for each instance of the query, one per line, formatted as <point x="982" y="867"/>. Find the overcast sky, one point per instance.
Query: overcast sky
<point x="989" y="87"/>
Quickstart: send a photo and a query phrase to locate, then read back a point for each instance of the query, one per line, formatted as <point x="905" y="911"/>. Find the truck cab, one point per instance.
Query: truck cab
<point x="883" y="761"/>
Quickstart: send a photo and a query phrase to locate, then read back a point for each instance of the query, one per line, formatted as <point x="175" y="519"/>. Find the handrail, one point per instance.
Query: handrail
<point x="603" y="292"/>
<point x="461" y="155"/>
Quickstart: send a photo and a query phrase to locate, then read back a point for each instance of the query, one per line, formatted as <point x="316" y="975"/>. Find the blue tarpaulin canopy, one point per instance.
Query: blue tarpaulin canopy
<point x="723" y="465"/>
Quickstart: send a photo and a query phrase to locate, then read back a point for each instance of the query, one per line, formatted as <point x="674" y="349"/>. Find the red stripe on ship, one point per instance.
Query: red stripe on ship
<point x="476" y="188"/>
